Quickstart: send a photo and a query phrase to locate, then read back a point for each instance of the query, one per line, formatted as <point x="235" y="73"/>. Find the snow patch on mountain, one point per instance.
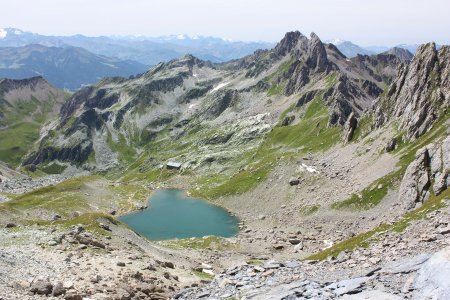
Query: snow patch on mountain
<point x="3" y="33"/>
<point x="219" y="86"/>
<point x="336" y="41"/>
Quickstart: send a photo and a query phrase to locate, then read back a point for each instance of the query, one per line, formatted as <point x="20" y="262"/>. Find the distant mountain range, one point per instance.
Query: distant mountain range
<point x="350" y="49"/>
<point x="146" y="50"/>
<point x="67" y="68"/>
<point x="70" y="62"/>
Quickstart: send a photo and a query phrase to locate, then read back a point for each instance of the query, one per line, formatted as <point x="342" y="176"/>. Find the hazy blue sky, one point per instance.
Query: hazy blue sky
<point x="387" y="22"/>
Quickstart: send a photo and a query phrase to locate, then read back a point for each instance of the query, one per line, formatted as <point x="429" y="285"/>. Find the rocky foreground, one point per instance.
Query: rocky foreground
<point x="414" y="264"/>
<point x="110" y="262"/>
<point x="52" y="263"/>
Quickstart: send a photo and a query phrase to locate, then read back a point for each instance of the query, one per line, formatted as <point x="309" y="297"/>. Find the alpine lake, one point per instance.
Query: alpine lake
<point x="172" y="215"/>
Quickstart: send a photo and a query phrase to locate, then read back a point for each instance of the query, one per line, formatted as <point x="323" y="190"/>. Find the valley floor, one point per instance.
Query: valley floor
<point x="339" y="229"/>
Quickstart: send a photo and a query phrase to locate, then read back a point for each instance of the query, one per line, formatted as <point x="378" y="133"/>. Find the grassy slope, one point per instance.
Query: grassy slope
<point x="374" y="194"/>
<point x="75" y="195"/>
<point x="24" y="121"/>
<point x="364" y="239"/>
<point x="282" y="143"/>
<point x="16" y="140"/>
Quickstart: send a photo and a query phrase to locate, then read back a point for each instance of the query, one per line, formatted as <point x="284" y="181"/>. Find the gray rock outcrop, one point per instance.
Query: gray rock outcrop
<point x="349" y="128"/>
<point x="391" y="144"/>
<point x="432" y="280"/>
<point x="431" y="162"/>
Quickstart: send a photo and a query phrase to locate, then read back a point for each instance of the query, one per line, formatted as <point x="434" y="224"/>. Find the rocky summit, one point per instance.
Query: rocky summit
<point x="337" y="169"/>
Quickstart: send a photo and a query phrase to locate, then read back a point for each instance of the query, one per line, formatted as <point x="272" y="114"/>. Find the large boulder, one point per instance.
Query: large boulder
<point x="433" y="279"/>
<point x="41" y="287"/>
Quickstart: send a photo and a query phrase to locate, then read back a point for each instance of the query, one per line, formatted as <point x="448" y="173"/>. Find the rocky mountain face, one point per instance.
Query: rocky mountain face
<point x="66" y="68"/>
<point x="420" y="93"/>
<point x="25" y="106"/>
<point x="401" y="53"/>
<point x="188" y="94"/>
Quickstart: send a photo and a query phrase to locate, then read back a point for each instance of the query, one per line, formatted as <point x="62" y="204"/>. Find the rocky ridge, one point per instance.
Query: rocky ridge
<point x="175" y="98"/>
<point x="420" y="94"/>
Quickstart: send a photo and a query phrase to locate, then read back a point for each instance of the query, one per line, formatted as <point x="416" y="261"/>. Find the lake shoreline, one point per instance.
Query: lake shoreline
<point x="172" y="214"/>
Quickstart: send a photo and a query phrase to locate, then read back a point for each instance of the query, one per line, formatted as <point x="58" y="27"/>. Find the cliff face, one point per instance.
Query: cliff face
<point x="420" y="93"/>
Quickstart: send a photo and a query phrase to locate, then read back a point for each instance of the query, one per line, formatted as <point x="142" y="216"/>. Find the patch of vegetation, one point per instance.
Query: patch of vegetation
<point x="310" y="134"/>
<point x="129" y="194"/>
<point x="240" y="182"/>
<point x="282" y="69"/>
<point x="203" y="275"/>
<point x="284" y="113"/>
<point x="15" y="141"/>
<point x="364" y="239"/>
<point x="309" y="210"/>
<point x="207" y="242"/>
<point x="331" y="79"/>
<point x="53" y="168"/>
<point x="372" y="195"/>
<point x="274" y="90"/>
<point x="62" y="198"/>
<point x="126" y="152"/>
<point x="155" y="174"/>
<point x="90" y="222"/>
<point x="22" y="121"/>
<point x="255" y="262"/>
<point x="273" y="79"/>
<point x="364" y="127"/>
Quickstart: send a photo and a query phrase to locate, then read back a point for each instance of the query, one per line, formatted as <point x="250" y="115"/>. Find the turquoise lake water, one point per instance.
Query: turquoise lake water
<point x="170" y="214"/>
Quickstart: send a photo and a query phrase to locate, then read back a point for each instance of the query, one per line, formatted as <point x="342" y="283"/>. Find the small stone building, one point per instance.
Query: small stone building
<point x="173" y="166"/>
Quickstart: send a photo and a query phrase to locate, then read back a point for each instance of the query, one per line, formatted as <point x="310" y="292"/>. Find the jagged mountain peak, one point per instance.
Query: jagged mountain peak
<point x="401" y="53"/>
<point x="314" y="36"/>
<point x="332" y="49"/>
<point x="191" y="60"/>
<point x="317" y="55"/>
<point x="183" y="66"/>
<point x="426" y="48"/>
<point x="289" y="42"/>
<point x="419" y="95"/>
